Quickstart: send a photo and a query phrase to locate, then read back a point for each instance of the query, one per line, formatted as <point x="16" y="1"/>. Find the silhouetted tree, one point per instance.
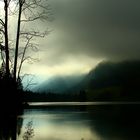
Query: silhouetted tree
<point x="14" y="51"/>
<point x="26" y="12"/>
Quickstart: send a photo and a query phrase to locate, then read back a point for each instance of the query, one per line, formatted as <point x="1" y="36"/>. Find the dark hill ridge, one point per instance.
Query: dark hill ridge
<point x="114" y="74"/>
<point x="114" y="81"/>
<point x="108" y="81"/>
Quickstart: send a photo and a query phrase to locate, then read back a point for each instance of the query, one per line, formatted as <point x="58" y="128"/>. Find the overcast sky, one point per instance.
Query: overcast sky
<point x="86" y="32"/>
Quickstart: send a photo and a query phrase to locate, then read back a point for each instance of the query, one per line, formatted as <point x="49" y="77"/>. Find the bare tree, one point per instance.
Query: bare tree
<point x="21" y="2"/>
<point x="26" y="12"/>
<point x="4" y="30"/>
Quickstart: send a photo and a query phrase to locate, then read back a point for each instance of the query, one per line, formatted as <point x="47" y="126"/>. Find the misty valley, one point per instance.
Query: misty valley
<point x="69" y="70"/>
<point x="109" y="81"/>
<point x="102" y="105"/>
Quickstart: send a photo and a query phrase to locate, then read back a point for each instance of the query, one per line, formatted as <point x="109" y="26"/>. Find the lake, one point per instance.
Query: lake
<point x="80" y="121"/>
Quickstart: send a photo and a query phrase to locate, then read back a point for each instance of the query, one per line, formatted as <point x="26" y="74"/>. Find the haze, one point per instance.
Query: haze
<point x="86" y="32"/>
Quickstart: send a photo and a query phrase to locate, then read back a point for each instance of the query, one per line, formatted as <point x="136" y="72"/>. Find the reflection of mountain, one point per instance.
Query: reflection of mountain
<point x="116" y="122"/>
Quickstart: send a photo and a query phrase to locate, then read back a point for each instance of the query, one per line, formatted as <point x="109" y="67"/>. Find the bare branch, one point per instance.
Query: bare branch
<point x="2" y="57"/>
<point x="2" y="22"/>
<point x="30" y="19"/>
<point x="23" y="55"/>
<point x="1" y="30"/>
<point x="2" y="47"/>
<point x="13" y="11"/>
<point x="26" y="11"/>
<point x="29" y="81"/>
<point x="34" y="33"/>
<point x="8" y="2"/>
<point x="30" y="59"/>
<point x="27" y="5"/>
<point x="34" y="47"/>
<point x="31" y="15"/>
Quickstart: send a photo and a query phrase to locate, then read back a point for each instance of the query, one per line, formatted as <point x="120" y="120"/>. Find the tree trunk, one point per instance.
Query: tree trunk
<point x="6" y="38"/>
<point x="17" y="41"/>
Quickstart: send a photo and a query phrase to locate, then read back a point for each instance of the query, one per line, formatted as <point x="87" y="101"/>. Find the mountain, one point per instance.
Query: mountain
<point x="60" y="84"/>
<point x="108" y="81"/>
<point x="114" y="81"/>
<point x="114" y="74"/>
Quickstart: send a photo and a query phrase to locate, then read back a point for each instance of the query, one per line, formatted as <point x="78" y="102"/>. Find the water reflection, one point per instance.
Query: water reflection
<point x="87" y="123"/>
<point x="117" y="122"/>
<point x="29" y="133"/>
<point x="9" y="129"/>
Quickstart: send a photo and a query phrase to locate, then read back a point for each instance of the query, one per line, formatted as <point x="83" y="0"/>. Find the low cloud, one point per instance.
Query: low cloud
<point x="99" y="29"/>
<point x="91" y="30"/>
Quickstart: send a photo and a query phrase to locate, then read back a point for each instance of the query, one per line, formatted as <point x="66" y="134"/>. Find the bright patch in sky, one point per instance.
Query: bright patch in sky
<point x="12" y="6"/>
<point x="68" y="68"/>
<point x="1" y="8"/>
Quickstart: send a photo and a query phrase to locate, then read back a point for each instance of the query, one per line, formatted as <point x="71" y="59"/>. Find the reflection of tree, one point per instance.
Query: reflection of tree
<point x="8" y="128"/>
<point x="119" y="122"/>
<point x="29" y="133"/>
<point x="19" y="125"/>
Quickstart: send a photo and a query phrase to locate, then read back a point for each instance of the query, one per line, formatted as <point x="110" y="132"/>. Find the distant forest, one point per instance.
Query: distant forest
<point x="109" y="81"/>
<point x="53" y="97"/>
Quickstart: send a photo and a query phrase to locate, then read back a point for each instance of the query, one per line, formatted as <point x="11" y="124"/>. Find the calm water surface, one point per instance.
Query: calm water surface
<point x="81" y="122"/>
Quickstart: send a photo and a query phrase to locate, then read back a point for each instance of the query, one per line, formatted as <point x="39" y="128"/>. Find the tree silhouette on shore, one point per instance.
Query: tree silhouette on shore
<point x="14" y="51"/>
